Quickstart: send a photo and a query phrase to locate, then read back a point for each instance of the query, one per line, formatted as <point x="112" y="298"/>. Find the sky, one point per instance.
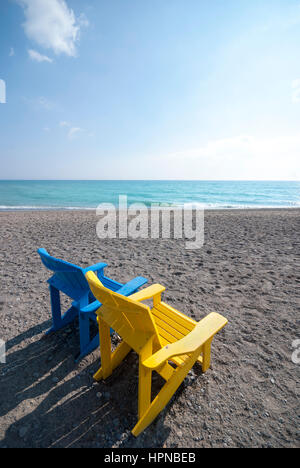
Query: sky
<point x="131" y="89"/>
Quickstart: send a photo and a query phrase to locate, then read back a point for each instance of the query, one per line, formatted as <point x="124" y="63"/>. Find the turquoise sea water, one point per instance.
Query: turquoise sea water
<point x="22" y="195"/>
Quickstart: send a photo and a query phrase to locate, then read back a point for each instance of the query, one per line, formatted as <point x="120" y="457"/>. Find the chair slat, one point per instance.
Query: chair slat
<point x="176" y="316"/>
<point x="163" y="318"/>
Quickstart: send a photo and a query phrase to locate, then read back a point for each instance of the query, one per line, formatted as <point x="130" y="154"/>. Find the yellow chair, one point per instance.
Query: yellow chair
<point x="166" y="341"/>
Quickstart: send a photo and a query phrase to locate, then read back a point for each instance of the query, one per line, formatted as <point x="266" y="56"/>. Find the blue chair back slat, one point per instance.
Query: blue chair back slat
<point x="65" y="288"/>
<point x="74" y="278"/>
<point x="110" y="284"/>
<point x="67" y="277"/>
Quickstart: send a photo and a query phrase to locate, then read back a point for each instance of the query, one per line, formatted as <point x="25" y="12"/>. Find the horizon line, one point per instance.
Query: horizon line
<point x="149" y="180"/>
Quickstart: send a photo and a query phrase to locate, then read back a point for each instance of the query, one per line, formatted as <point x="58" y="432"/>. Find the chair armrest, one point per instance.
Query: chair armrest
<point x="132" y="286"/>
<point x="90" y="308"/>
<point x="193" y="341"/>
<point x="96" y="267"/>
<point x="148" y="293"/>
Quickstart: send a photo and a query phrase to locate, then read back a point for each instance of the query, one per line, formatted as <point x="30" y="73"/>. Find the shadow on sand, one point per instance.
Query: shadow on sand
<point x="47" y="400"/>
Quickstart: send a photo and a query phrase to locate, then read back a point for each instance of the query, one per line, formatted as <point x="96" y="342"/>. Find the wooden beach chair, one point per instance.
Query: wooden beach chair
<point x="70" y="280"/>
<point x="160" y="336"/>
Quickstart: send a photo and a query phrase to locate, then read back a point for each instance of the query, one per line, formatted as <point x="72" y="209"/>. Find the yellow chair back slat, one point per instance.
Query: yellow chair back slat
<point x="130" y="319"/>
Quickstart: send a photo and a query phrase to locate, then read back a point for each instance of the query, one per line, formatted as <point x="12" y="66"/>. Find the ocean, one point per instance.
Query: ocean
<point x="88" y="194"/>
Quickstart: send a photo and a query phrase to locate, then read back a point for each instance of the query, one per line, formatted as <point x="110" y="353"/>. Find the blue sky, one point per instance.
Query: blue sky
<point x="131" y="89"/>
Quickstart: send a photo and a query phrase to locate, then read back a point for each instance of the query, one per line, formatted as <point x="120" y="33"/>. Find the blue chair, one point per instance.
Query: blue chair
<point x="70" y="280"/>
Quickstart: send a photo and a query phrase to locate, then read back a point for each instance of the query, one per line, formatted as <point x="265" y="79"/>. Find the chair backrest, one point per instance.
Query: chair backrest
<point x="130" y="319"/>
<point x="68" y="278"/>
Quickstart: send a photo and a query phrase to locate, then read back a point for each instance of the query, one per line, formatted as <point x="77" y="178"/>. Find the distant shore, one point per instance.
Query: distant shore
<point x="246" y="270"/>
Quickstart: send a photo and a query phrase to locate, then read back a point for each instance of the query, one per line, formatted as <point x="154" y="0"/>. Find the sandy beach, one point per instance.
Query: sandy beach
<point x="247" y="270"/>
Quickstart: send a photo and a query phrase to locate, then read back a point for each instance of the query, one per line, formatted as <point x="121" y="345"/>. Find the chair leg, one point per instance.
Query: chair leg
<point x="69" y="316"/>
<point x="119" y="354"/>
<point x="58" y="320"/>
<point x="93" y="344"/>
<point x="105" y="349"/>
<point x="117" y="357"/>
<point x="55" y="308"/>
<point x="164" y="395"/>
<point x="206" y="355"/>
<point x="145" y="379"/>
<point x="84" y="331"/>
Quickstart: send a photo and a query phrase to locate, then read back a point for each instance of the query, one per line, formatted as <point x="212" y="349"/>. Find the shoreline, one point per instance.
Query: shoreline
<point x="172" y="208"/>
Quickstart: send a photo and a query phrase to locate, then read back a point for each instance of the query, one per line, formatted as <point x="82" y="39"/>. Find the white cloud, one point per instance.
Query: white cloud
<point x="52" y="25"/>
<point x="45" y="103"/>
<point x="83" y="21"/>
<point x="296" y="91"/>
<point x="40" y="103"/>
<point x="64" y="124"/>
<point x="12" y="52"/>
<point x="73" y="132"/>
<point x="34" y="55"/>
<point x="239" y="157"/>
